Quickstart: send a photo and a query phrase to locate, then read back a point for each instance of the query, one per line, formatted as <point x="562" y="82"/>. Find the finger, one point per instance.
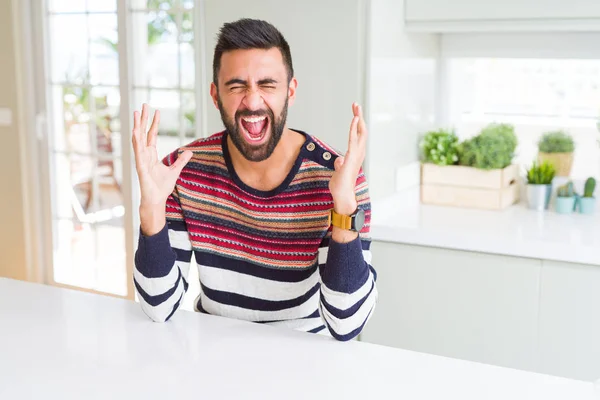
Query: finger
<point x="355" y="109"/>
<point x="153" y="132"/>
<point x="353" y="136"/>
<point x="135" y="133"/>
<point x="144" y="122"/>
<point x="362" y="127"/>
<point x="339" y="162"/>
<point x="136" y="120"/>
<point x="181" y="161"/>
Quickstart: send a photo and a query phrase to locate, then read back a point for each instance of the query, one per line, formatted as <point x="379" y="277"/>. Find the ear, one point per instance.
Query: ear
<point x="214" y="94"/>
<point x="292" y="91"/>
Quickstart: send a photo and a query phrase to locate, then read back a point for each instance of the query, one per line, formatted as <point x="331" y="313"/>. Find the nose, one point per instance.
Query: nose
<point x="253" y="99"/>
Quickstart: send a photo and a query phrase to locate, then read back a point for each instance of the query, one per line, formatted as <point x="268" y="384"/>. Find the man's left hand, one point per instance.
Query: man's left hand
<point x="343" y="181"/>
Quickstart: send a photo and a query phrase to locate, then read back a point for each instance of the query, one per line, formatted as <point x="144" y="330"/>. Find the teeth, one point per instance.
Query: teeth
<point x="253" y="119"/>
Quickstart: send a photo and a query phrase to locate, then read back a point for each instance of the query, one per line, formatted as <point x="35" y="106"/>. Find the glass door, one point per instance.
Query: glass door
<point x="85" y="146"/>
<point x="100" y="55"/>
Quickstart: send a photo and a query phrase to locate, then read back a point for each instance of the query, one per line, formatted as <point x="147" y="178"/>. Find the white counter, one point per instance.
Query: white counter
<point x="63" y="344"/>
<point x="515" y="231"/>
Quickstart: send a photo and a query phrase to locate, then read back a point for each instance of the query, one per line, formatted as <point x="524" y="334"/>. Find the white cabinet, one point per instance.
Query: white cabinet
<point x="570" y="320"/>
<point x="529" y="314"/>
<point x="456" y="15"/>
<point x="457" y="304"/>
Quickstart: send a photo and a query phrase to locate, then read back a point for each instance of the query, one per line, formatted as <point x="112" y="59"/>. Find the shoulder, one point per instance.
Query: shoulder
<point x="208" y="146"/>
<point x="317" y="153"/>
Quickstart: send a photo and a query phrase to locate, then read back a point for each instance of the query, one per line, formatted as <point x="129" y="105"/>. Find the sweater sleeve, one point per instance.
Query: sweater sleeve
<point x="348" y="281"/>
<point x="162" y="263"/>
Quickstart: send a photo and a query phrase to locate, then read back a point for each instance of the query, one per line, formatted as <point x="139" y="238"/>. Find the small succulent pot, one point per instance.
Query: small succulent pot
<point x="587" y="205"/>
<point x="538" y="196"/>
<point x="565" y="205"/>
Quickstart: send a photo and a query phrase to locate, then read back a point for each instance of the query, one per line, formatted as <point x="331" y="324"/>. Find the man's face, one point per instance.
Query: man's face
<point x="253" y="97"/>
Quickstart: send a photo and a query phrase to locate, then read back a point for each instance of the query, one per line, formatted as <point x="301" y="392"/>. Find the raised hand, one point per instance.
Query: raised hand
<point x="156" y="179"/>
<point x="343" y="181"/>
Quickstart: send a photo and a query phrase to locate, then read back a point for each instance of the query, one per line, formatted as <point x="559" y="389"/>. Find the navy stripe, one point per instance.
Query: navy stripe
<point x="200" y="308"/>
<point x="373" y="272"/>
<point x="351" y="335"/>
<point x="158" y="299"/>
<point x="343" y="314"/>
<point x="307" y="185"/>
<point x="364" y="243"/>
<point x="175" y="225"/>
<point x="346" y="270"/>
<point x="175" y="307"/>
<point x="182" y="255"/>
<point x="208" y="169"/>
<point x="290" y="275"/>
<point x="253" y="303"/>
<point x="315" y="314"/>
<point x="317" y="330"/>
<point x="154" y="257"/>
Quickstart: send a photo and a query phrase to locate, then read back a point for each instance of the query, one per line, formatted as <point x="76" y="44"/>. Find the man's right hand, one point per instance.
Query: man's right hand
<point x="157" y="180"/>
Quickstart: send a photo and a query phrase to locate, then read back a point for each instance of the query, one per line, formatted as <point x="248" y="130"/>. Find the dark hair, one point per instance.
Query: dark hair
<point x="248" y="34"/>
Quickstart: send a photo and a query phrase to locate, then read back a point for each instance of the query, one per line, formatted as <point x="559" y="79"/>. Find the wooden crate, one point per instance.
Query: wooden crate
<point x="469" y="187"/>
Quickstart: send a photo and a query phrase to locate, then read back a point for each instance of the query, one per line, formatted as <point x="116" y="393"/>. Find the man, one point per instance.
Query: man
<point x="277" y="221"/>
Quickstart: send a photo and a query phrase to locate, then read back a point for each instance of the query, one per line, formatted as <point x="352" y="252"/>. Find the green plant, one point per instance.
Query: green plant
<point x="440" y="147"/>
<point x="493" y="148"/>
<point x="556" y="142"/>
<point x="590" y="186"/>
<point x="541" y="174"/>
<point x="566" y="190"/>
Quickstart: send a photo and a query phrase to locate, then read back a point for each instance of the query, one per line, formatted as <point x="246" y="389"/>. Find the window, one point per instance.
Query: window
<point x="86" y="144"/>
<point x="535" y="95"/>
<point x="163" y="67"/>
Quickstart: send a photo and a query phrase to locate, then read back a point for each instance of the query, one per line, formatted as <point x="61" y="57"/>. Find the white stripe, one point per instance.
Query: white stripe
<point x="180" y="240"/>
<point x="252" y="286"/>
<point x="304" y="325"/>
<point x="323" y="251"/>
<point x="162" y="311"/>
<point x="224" y="310"/>
<point x="343" y="301"/>
<point x="156" y="286"/>
<point x="347" y="325"/>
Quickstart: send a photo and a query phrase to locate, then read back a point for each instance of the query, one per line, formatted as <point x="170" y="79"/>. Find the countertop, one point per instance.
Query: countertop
<point x="515" y="231"/>
<point x="60" y="343"/>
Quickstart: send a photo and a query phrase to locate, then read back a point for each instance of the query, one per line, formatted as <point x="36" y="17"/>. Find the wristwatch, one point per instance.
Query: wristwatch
<point x="353" y="222"/>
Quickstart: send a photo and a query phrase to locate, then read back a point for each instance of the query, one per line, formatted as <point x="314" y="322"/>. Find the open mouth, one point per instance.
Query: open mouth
<point x="255" y="128"/>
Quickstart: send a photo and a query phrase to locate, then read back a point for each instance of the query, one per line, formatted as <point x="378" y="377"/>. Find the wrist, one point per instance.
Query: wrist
<point x="346" y="206"/>
<point x="152" y="218"/>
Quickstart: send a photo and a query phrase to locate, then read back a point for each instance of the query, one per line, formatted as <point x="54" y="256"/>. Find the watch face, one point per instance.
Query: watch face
<point x="359" y="220"/>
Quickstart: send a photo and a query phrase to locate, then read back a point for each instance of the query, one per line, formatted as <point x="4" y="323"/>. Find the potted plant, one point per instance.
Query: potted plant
<point x="539" y="185"/>
<point x="493" y="148"/>
<point x="565" y="198"/>
<point x="557" y="148"/>
<point x="440" y="147"/>
<point x="485" y="176"/>
<point x="587" y="203"/>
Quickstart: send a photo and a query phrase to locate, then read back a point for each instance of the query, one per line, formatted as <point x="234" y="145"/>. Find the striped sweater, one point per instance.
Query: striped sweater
<point x="262" y="256"/>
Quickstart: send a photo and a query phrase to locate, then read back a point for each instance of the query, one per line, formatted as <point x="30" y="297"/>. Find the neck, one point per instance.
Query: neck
<point x="269" y="173"/>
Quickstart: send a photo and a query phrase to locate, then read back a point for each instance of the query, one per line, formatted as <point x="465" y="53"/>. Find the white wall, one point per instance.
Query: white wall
<point x="402" y="90"/>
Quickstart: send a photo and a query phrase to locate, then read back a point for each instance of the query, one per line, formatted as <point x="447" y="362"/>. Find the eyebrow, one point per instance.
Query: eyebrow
<point x="239" y="81"/>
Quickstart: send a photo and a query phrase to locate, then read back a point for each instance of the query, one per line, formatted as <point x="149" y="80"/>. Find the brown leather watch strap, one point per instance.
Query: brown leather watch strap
<point x="341" y="221"/>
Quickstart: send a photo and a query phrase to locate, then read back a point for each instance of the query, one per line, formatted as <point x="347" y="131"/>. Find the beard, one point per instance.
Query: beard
<point x="250" y="151"/>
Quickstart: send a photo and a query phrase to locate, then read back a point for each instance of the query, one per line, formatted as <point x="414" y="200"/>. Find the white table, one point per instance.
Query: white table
<point x="64" y="344"/>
